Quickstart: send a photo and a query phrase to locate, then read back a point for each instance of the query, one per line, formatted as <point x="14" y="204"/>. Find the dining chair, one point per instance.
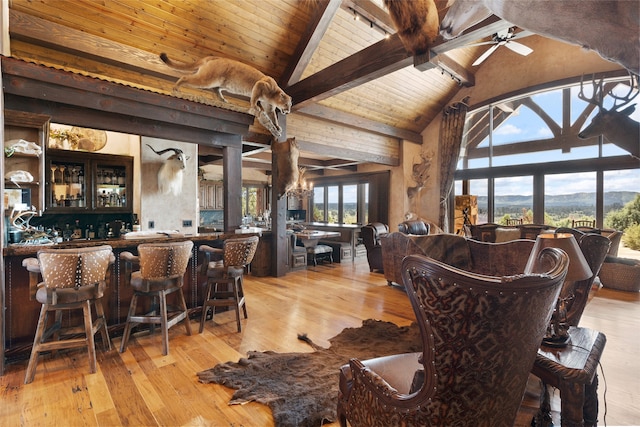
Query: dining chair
<point x="72" y="279"/>
<point x="225" y="276"/>
<point x="514" y="221"/>
<point x="162" y="269"/>
<point x="583" y="223"/>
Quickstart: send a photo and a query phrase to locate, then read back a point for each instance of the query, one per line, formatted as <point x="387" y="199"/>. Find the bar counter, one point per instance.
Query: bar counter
<point x="22" y="311"/>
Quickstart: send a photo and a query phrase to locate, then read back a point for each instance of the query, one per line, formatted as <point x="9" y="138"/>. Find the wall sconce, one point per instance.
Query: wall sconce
<point x="558" y="331"/>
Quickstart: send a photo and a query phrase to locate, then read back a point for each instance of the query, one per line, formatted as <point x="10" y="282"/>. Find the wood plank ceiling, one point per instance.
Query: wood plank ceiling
<point x="356" y="91"/>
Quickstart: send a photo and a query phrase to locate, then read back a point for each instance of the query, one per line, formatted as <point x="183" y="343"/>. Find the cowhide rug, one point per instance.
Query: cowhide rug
<point x="302" y="388"/>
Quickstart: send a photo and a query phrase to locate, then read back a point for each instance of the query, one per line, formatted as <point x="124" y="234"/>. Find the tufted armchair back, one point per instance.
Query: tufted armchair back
<point x="480" y="337"/>
<point x="164" y="260"/>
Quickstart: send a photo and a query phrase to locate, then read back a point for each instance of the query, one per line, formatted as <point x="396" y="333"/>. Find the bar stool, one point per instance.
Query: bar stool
<point x="162" y="269"/>
<point x="224" y="276"/>
<point x="72" y="279"/>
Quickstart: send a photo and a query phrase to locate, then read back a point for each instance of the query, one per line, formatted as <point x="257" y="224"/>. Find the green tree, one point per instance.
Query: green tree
<point x="626" y="217"/>
<point x="631" y="237"/>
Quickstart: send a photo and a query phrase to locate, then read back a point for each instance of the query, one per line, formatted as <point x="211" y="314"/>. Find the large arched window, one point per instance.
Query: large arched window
<point x="523" y="158"/>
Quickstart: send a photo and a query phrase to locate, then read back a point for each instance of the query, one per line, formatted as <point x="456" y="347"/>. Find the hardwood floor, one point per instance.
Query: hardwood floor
<point x="143" y="388"/>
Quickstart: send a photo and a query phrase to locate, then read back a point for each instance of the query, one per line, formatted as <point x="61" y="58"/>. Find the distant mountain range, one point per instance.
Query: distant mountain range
<point x="612" y="200"/>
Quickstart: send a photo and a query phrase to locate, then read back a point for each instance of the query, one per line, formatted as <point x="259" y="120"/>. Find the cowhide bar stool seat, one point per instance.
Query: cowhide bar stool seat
<point x="162" y="269"/>
<point x="72" y="279"/>
<point x="225" y="269"/>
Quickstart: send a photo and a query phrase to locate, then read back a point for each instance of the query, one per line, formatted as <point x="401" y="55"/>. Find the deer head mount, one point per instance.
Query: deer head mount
<point x="171" y="173"/>
<point x="613" y="123"/>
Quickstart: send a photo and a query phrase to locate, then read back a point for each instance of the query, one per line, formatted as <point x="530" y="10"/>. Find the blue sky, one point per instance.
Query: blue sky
<point x="525" y="125"/>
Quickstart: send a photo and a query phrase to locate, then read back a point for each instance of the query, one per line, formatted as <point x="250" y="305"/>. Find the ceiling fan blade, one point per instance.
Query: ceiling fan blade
<point x="480" y="43"/>
<point x="485" y="55"/>
<point x="519" y="48"/>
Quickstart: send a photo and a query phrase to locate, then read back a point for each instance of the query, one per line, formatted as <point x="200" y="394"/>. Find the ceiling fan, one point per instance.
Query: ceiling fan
<point x="504" y="38"/>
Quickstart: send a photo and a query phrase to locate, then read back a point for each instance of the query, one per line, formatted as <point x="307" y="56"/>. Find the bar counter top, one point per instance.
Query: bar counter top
<point x="18" y="249"/>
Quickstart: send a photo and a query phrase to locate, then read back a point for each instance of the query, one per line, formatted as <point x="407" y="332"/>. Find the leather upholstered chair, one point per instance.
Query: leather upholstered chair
<point x="371" y="235"/>
<point x="72" y="279"/>
<point x="414" y="226"/>
<point x="480" y="335"/>
<point x="162" y="269"/>
<point x="224" y="275"/>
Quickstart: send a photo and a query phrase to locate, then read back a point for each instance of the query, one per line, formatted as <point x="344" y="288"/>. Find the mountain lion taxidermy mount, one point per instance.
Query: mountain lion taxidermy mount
<point x="416" y="21"/>
<point x="286" y="155"/>
<point x="223" y="74"/>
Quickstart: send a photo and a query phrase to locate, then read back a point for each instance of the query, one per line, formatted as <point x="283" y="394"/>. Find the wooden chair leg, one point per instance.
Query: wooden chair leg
<point x="88" y="330"/>
<point x="236" y="296"/>
<point x="185" y="310"/>
<point x="205" y="307"/>
<point x="127" y="326"/>
<point x="164" y="322"/>
<point x="243" y="301"/>
<point x="35" y="350"/>
<point x="106" y="341"/>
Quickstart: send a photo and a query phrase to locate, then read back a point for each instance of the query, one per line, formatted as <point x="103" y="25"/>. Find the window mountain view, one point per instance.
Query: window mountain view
<point x="557" y="207"/>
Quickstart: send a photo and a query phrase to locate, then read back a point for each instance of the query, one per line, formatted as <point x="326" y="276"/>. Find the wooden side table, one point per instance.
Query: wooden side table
<point x="573" y="370"/>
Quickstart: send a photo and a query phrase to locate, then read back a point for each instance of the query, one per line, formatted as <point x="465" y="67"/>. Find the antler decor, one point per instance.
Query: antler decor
<point x="613" y="123"/>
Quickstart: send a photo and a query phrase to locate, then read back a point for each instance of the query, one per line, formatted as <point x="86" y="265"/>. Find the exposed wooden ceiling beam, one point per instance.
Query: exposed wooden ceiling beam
<point x="321" y="17"/>
<point x="375" y="61"/>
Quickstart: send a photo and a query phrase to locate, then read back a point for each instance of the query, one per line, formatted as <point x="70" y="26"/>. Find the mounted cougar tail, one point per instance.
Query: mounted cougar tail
<point x="182" y="66"/>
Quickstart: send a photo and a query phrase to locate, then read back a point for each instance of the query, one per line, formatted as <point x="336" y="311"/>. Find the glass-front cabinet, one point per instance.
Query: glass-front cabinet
<point x="25" y="135"/>
<point x="90" y="182"/>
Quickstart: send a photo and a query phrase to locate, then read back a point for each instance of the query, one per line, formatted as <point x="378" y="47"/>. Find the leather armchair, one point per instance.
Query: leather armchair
<point x="414" y="226"/>
<point x="371" y="238"/>
<point x="480" y="335"/>
<point x="419" y="227"/>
